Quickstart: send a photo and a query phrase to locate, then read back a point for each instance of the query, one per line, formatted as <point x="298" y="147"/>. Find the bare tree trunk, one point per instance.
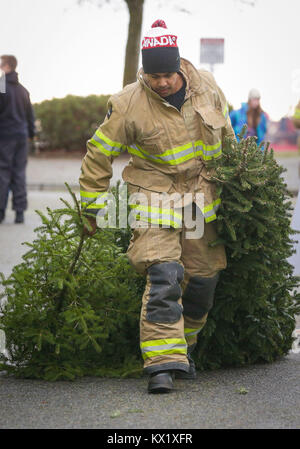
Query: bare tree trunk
<point x="135" y="8"/>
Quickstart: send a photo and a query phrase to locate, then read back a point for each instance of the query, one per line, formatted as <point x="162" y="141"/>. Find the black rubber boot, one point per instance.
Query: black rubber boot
<point x="19" y="216"/>
<point x="2" y="215"/>
<point x="191" y="374"/>
<point x="161" y="382"/>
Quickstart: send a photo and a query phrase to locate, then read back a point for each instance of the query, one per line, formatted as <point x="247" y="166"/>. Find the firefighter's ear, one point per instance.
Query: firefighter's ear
<point x="109" y="112"/>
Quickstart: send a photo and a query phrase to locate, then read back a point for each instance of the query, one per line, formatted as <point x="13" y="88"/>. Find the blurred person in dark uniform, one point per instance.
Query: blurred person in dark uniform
<point x="16" y="127"/>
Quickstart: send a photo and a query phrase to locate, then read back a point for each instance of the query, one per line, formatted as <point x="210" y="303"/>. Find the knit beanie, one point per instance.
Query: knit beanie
<point x="160" y="53"/>
<point x="253" y="93"/>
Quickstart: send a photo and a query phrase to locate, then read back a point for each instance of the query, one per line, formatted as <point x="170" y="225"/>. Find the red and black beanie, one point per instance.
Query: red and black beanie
<point x="160" y="53"/>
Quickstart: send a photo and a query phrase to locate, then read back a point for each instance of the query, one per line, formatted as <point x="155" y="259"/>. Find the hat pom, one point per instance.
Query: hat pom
<point x="159" y="23"/>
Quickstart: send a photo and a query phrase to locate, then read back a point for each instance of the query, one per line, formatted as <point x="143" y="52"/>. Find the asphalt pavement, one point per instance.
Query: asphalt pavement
<point x="262" y="396"/>
<point x="257" y="397"/>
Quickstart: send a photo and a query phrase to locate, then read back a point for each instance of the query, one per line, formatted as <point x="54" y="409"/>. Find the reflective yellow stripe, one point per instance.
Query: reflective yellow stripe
<point x="93" y="205"/>
<point x="157" y="215"/>
<point x="212" y="205"/>
<point x="91" y="195"/>
<point x="189" y="332"/>
<point x="102" y="149"/>
<point x="164" y="341"/>
<point x="180" y="154"/>
<point x="156" y="210"/>
<point x="110" y="142"/>
<point x="154" y="348"/>
<point x="169" y="217"/>
<point x="211" y="218"/>
<point x="163" y="158"/>
<point x="297" y="114"/>
<point x="98" y="197"/>
<point x="208" y="152"/>
<point x="209" y="211"/>
<point x="106" y="145"/>
<point x="164" y="352"/>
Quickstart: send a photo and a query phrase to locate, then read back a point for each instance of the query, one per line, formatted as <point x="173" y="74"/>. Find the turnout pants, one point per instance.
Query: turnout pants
<point x="13" y="160"/>
<point x="181" y="278"/>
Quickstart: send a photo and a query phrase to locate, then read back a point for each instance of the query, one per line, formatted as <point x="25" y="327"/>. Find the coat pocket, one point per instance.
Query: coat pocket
<point x="212" y="118"/>
<point x="149" y="180"/>
<point x="151" y="141"/>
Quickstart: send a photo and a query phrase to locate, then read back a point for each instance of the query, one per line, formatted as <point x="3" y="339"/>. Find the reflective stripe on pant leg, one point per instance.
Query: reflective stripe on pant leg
<point x="163" y="344"/>
<point x="192" y="329"/>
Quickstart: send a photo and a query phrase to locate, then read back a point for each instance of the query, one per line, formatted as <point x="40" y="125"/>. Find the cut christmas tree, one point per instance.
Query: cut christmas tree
<point x="72" y="306"/>
<point x="256" y="301"/>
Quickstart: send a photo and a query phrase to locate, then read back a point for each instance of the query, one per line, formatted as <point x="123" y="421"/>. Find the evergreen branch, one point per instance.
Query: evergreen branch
<point x="76" y="202"/>
<point x="77" y="254"/>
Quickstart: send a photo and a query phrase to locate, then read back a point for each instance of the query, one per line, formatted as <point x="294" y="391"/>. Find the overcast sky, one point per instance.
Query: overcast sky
<point x="63" y="48"/>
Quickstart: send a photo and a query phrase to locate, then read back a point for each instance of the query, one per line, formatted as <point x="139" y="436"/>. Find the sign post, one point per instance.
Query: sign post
<point x="211" y="51"/>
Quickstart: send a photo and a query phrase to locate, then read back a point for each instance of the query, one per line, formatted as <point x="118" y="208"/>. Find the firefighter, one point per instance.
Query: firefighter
<point x="16" y="126"/>
<point x="172" y="121"/>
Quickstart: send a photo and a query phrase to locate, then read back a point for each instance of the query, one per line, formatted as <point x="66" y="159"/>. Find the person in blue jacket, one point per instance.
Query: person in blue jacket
<point x="252" y="115"/>
<point x="16" y="126"/>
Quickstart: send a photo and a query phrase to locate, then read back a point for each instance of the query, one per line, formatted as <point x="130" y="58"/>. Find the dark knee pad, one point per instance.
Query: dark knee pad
<point x="165" y="291"/>
<point x="198" y="297"/>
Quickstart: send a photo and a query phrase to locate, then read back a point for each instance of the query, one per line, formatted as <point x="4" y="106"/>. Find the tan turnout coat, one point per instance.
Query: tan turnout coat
<point x="169" y="149"/>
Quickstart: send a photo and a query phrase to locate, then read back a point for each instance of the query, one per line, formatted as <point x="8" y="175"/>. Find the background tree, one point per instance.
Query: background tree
<point x="135" y="9"/>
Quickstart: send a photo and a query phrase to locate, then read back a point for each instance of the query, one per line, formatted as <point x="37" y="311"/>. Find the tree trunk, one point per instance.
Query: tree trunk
<point x="135" y="8"/>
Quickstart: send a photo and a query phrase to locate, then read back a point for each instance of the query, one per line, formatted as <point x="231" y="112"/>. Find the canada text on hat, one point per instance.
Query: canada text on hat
<point x="158" y="37"/>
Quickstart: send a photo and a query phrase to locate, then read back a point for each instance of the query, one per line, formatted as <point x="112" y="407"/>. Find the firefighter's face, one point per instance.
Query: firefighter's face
<point x="165" y="84"/>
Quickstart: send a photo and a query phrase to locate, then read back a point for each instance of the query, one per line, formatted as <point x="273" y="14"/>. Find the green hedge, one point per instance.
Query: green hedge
<point x="67" y="123"/>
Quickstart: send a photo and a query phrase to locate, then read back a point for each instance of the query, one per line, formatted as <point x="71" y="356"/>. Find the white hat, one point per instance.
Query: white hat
<point x="254" y="93"/>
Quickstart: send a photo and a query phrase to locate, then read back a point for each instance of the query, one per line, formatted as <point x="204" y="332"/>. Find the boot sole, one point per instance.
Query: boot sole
<point x="159" y="389"/>
<point x="160" y="384"/>
<point x="185" y="376"/>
